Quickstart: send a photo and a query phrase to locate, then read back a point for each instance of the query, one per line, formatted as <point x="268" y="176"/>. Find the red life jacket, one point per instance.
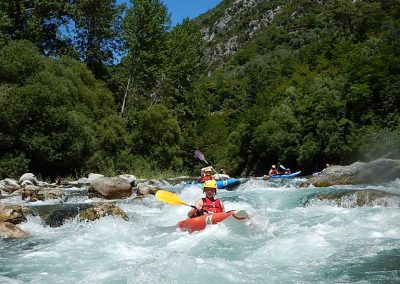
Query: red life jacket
<point x="273" y="172"/>
<point x="211" y="206"/>
<point x="204" y="178"/>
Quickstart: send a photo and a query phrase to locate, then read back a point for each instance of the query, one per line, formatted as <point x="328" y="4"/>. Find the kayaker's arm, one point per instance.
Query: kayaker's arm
<point x="196" y="207"/>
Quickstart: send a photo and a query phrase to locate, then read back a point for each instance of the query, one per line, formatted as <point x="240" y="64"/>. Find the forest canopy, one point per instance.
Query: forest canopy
<point x="97" y="86"/>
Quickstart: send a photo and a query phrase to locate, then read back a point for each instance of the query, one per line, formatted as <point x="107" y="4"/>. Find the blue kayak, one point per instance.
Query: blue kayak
<point x="228" y="183"/>
<point x="287" y="175"/>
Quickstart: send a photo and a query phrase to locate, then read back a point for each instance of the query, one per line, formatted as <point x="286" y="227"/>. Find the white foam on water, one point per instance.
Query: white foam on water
<point x="287" y="243"/>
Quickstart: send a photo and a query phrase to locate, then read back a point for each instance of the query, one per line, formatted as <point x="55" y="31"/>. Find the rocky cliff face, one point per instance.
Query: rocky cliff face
<point x="231" y="24"/>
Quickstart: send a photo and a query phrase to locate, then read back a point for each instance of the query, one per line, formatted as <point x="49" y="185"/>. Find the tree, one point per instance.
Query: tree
<point x="156" y="136"/>
<point x="97" y="28"/>
<point x="38" y="21"/>
<point x="55" y="114"/>
<point x="145" y="26"/>
<point x="182" y="59"/>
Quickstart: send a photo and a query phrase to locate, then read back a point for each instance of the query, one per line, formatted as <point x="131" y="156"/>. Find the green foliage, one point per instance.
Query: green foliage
<point x="145" y="29"/>
<point x="57" y="117"/>
<point x="35" y="20"/>
<point x="18" y="61"/>
<point x="13" y="165"/>
<point x="97" y="28"/>
<point x="316" y="83"/>
<point x="182" y="64"/>
<point x="156" y="136"/>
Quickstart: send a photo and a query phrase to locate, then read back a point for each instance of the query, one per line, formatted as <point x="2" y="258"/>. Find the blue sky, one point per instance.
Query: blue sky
<point x="179" y="9"/>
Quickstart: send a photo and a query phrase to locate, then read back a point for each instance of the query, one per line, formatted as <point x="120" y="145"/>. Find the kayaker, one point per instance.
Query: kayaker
<point x="273" y="171"/>
<point x="209" y="203"/>
<point x="206" y="174"/>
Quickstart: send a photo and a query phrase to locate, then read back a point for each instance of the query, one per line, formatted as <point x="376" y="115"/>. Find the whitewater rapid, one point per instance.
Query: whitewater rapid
<point x="291" y="237"/>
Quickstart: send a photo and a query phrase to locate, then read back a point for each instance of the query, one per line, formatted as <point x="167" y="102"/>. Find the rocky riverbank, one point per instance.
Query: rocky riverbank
<point x="96" y="196"/>
<point x="17" y="198"/>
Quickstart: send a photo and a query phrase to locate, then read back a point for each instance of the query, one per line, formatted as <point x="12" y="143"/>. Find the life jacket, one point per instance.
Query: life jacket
<point x="211" y="206"/>
<point x="273" y="172"/>
<point x="205" y="177"/>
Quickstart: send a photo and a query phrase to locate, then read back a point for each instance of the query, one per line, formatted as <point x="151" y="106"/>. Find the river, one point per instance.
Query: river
<point x="291" y="237"/>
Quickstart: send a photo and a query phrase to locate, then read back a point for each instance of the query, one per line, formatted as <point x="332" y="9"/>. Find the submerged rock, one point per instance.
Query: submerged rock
<point x="377" y="171"/>
<point x="101" y="210"/>
<point x="55" y="215"/>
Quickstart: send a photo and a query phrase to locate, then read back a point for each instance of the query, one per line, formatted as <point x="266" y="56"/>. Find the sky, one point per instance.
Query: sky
<point x="179" y="9"/>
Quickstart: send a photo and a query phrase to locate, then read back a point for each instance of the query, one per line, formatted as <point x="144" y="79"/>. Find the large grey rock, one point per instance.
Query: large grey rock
<point x="93" y="176"/>
<point x="129" y="178"/>
<point x="377" y="171"/>
<point x="28" y="178"/>
<point x="111" y="187"/>
<point x="359" y="198"/>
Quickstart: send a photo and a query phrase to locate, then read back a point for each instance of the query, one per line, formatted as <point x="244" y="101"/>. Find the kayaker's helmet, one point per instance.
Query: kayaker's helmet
<point x="210" y="184"/>
<point x="273" y="166"/>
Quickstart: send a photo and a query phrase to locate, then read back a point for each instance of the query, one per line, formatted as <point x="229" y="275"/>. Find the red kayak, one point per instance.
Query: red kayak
<point x="230" y="218"/>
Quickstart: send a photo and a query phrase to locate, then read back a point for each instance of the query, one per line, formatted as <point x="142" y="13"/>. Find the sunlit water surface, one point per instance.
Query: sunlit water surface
<point x="290" y="238"/>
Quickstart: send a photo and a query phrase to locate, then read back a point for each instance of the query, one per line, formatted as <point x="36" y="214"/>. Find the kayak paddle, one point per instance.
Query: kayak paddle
<point x="201" y="157"/>
<point x="172" y="198"/>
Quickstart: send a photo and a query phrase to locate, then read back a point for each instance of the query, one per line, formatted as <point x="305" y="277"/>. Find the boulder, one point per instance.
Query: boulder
<point x="359" y="198"/>
<point x="92" y="177"/>
<point x="28" y="178"/>
<point x="9" y="185"/>
<point x="101" y="210"/>
<point x="34" y="193"/>
<point x="129" y="178"/>
<point x="11" y="231"/>
<point x="377" y="171"/>
<point x="55" y="215"/>
<point x="111" y="187"/>
<point x="11" y="214"/>
<point x="144" y="190"/>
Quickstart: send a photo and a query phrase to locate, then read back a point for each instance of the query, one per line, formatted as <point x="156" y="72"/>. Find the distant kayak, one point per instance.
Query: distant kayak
<point x="228" y="184"/>
<point x="284" y="176"/>
<point x="230" y="219"/>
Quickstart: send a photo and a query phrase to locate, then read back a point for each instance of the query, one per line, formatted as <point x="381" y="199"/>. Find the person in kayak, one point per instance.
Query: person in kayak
<point x="287" y="171"/>
<point x="273" y="171"/>
<point x="208" y="204"/>
<point x="206" y="174"/>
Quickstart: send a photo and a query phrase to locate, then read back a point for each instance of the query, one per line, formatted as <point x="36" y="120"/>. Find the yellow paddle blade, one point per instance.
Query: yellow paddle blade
<point x="169" y="197"/>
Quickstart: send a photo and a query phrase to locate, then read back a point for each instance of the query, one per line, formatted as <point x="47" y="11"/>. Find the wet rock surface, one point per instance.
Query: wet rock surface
<point x="377" y="171"/>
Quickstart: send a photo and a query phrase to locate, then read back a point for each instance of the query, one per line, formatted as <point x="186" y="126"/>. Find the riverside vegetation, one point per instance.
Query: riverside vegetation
<point x="101" y="87"/>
